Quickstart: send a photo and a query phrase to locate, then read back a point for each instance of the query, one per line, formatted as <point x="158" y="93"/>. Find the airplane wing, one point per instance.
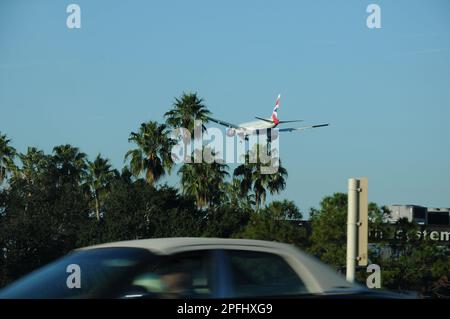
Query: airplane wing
<point x="230" y="125"/>
<point x="279" y="122"/>
<point x="263" y="119"/>
<point x="293" y="121"/>
<point x="290" y="129"/>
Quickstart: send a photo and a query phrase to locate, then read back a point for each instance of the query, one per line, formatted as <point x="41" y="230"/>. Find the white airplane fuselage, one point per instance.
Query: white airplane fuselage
<point x="249" y="128"/>
<point x="257" y="125"/>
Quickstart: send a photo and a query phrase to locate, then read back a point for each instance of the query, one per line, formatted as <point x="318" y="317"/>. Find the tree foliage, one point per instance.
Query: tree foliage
<point x="53" y="203"/>
<point x="328" y="238"/>
<point x="7" y="155"/>
<point x="253" y="179"/>
<point x="279" y="221"/>
<point x="152" y="155"/>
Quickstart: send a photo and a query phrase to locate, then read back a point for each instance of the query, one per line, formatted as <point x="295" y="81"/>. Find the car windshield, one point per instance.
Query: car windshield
<point x="90" y="273"/>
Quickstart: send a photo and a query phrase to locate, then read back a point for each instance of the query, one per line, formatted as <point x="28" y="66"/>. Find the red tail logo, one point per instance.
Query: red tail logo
<point x="275" y="119"/>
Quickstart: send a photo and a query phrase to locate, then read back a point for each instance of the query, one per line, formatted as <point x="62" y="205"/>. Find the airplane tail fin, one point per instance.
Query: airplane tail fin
<point x="275" y="111"/>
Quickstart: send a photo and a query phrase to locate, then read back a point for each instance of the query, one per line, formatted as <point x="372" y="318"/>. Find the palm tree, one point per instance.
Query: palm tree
<point x="153" y="152"/>
<point x="69" y="164"/>
<point x="252" y="178"/>
<point x="185" y="111"/>
<point x="203" y="181"/>
<point x="100" y="175"/>
<point x="34" y="163"/>
<point x="233" y="196"/>
<point x="7" y="155"/>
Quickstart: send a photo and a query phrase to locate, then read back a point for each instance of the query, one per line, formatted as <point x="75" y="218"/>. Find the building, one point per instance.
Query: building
<point x="411" y="212"/>
<point x="438" y="216"/>
<point x="419" y="214"/>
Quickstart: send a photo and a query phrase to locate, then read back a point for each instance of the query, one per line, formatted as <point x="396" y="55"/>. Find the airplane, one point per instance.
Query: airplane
<point x="263" y="125"/>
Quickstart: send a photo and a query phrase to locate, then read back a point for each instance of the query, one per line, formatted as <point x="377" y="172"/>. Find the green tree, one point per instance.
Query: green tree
<point x="99" y="177"/>
<point x="280" y="221"/>
<point x="7" y="155"/>
<point x="329" y="230"/>
<point x="225" y="221"/>
<point x="69" y="164"/>
<point x="137" y="210"/>
<point x="185" y="111"/>
<point x="203" y="181"/>
<point x="33" y="164"/>
<point x="232" y="196"/>
<point x="40" y="221"/>
<point x="152" y="155"/>
<point x="252" y="177"/>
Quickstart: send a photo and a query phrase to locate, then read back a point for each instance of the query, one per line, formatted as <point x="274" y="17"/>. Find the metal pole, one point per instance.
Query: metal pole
<point x="352" y="217"/>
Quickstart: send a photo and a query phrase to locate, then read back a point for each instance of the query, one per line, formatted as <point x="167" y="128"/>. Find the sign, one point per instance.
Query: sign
<point x="435" y="234"/>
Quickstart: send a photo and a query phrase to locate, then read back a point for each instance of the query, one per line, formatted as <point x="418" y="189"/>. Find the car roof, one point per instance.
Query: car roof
<point x="168" y="245"/>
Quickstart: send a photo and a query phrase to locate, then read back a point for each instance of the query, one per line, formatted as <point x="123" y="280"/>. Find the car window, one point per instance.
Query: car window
<point x="185" y="275"/>
<point x="101" y="272"/>
<point x="258" y="274"/>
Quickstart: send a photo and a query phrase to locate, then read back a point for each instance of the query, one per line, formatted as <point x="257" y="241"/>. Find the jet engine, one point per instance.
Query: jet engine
<point x="231" y="132"/>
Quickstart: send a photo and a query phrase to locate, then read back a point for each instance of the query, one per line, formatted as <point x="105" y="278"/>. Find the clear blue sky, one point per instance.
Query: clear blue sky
<point x="385" y="91"/>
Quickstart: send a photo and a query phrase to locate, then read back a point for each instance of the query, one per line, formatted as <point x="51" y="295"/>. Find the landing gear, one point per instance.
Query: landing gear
<point x="269" y="142"/>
